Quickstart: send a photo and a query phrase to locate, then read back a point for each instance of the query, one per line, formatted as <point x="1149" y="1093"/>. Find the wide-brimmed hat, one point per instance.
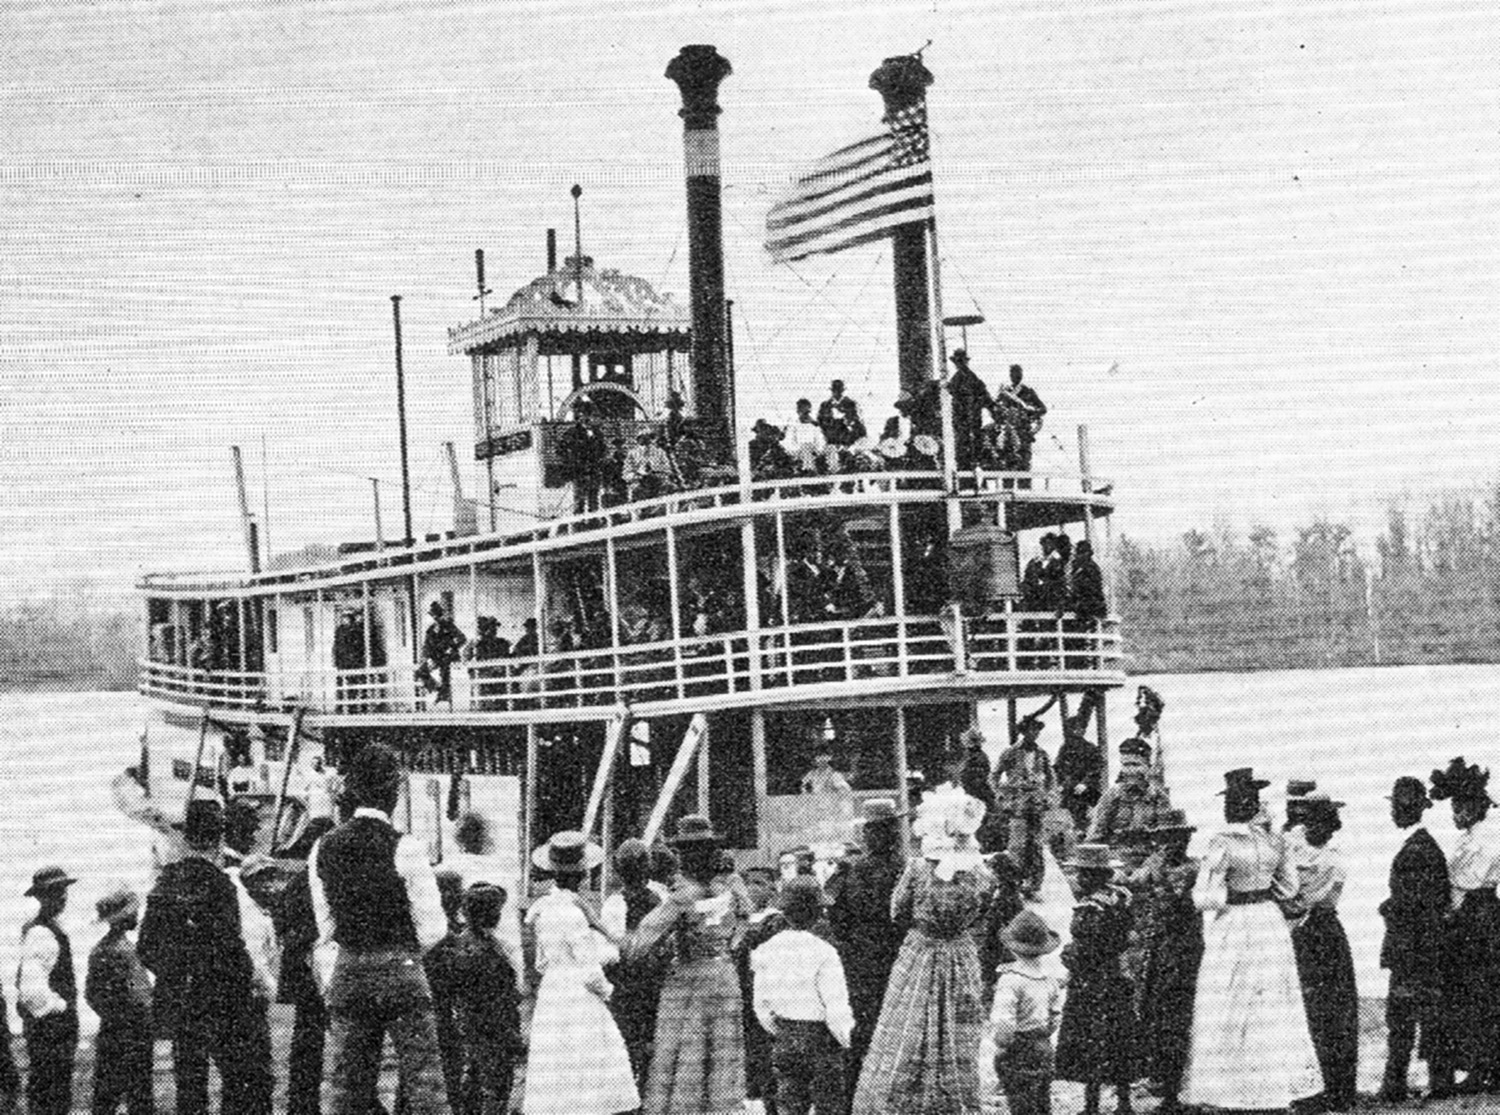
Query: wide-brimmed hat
<point x="568" y="853"/>
<point x="1412" y="791"/>
<point x="694" y="828"/>
<point x="49" y="879"/>
<point x="1029" y="725"/>
<point x="1242" y="780"/>
<point x="959" y="356"/>
<point x="1462" y="782"/>
<point x="1135" y="748"/>
<point x="1318" y="803"/>
<point x="1172" y="820"/>
<point x="1300" y="787"/>
<point x="1028" y="935"/>
<point x="118" y="905"/>
<point x="1092" y="857"/>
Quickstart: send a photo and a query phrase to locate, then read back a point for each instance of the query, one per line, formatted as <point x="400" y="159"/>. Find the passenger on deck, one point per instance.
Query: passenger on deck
<point x="1019" y="409"/>
<point x="831" y="418"/>
<point x="768" y="460"/>
<point x="892" y="446"/>
<point x="441" y="647"/>
<point x="971" y="398"/>
<point x="648" y="469"/>
<point x="845" y="584"/>
<point x="674" y="425"/>
<point x="527" y="646"/>
<point x="582" y="451"/>
<point x="806" y="444"/>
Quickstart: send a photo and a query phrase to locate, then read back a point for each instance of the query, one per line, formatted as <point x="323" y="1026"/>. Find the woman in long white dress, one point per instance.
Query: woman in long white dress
<point x="1250" y="1048"/>
<point x="577" y="1063"/>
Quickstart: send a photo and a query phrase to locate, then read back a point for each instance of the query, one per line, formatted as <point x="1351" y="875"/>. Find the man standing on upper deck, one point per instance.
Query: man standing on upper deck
<point x="971" y="398"/>
<point x="377" y="906"/>
<point x="582" y="451"/>
<point x="441" y="647"/>
<point x="1021" y="409"/>
<point x="47" y="995"/>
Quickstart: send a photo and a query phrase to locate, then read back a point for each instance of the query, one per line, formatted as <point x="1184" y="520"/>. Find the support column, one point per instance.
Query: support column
<point x="528" y="815"/>
<point x="1103" y="738"/>
<point x="903" y="787"/>
<point x="759" y="777"/>
<point x="703" y="746"/>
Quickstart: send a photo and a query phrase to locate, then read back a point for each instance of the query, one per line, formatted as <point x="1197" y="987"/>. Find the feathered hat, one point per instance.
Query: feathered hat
<point x="1461" y="782"/>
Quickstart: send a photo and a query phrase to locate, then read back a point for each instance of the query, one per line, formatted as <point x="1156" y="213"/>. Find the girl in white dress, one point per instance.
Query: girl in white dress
<point x="577" y="1064"/>
<point x="1250" y="1048"/>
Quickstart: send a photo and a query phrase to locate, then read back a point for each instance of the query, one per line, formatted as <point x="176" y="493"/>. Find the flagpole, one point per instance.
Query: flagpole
<point x="940" y="373"/>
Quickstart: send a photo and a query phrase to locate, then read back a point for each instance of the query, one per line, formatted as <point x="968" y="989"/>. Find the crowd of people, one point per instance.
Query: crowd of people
<point x="866" y="986"/>
<point x="991" y="430"/>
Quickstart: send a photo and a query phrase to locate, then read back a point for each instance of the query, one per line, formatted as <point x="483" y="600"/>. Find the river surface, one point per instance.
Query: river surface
<point x="1353" y="731"/>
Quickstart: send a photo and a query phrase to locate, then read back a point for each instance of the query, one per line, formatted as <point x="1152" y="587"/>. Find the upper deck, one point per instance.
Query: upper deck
<point x="657" y="639"/>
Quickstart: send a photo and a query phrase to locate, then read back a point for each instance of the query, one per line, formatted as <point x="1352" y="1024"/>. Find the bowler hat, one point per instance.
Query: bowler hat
<point x="1412" y="791"/>
<point x="1300" y="787"/>
<point x="203" y="823"/>
<point x="960" y="356"/>
<point x="118" y="905"/>
<point x="1028" y="935"/>
<point x="1241" y="780"/>
<point x="49" y="879"/>
<point x="1092" y="857"/>
<point x="568" y="853"/>
<point x="694" y="828"/>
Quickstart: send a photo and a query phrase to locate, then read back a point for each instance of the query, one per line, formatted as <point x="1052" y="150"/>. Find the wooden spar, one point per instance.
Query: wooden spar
<point x="675" y="777"/>
<point x="293" y="737"/>
<point x="613" y="738"/>
<point x="197" y="761"/>
<point x="245" y="520"/>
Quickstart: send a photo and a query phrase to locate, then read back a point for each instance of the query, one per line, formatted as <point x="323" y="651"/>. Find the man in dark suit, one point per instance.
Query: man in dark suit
<point x="206" y="993"/>
<point x="1413" y="945"/>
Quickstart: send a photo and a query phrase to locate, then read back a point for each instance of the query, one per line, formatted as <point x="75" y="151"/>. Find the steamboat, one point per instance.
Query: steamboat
<point x="665" y="655"/>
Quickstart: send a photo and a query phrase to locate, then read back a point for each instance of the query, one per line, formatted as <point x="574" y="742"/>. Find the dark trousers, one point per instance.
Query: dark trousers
<point x="370" y="995"/>
<point x="122" y="1069"/>
<point x="1024" y="1069"/>
<point x="488" y="1073"/>
<point x="304" y="1080"/>
<point x="237" y="1039"/>
<point x="809" y="1067"/>
<point x="1407" y="1007"/>
<point x="51" y="1043"/>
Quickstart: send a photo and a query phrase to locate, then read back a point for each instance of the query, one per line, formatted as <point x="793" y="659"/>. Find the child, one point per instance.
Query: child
<point x="489" y="1016"/>
<point x="802" y="1001"/>
<point x="119" y="990"/>
<point x="1024" y="1016"/>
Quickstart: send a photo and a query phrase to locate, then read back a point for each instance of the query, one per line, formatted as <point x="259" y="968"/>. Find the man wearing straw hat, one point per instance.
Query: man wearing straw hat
<point x="118" y="989"/>
<point x="47" y="995"/>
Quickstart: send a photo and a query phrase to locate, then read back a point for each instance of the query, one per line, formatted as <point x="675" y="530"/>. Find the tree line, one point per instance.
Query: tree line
<point x="1429" y="593"/>
<point x="69" y="638"/>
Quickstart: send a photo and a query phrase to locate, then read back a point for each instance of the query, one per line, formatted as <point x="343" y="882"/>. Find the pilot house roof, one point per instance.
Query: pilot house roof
<point x="573" y="303"/>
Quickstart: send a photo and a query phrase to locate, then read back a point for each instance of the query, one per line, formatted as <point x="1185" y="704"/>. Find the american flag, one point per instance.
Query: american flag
<point x="857" y="194"/>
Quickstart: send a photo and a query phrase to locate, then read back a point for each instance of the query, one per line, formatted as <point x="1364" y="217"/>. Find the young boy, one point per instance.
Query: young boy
<point x="802" y="1001"/>
<point x="1024" y="1016"/>
<point x="484" y="981"/>
<point x="119" y="991"/>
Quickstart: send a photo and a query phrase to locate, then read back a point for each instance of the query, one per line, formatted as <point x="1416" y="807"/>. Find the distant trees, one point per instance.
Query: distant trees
<point x="70" y="638"/>
<point x="1431" y="594"/>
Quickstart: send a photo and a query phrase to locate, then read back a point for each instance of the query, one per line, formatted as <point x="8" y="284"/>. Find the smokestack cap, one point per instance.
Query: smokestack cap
<point x="698" y="70"/>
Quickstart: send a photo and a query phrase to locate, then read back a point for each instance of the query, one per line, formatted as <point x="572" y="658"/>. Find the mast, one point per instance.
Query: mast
<point x="698" y="70"/>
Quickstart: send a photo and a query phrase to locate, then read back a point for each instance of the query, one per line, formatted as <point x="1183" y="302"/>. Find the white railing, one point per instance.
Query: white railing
<point x="978" y="651"/>
<point x="837" y="489"/>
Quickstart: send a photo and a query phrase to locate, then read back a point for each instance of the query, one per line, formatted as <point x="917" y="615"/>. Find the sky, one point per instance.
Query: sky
<point x="1253" y="245"/>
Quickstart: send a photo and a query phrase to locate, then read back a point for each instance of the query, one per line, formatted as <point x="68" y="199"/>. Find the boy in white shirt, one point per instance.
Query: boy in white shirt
<point x="1024" y="1016"/>
<point x="802" y="1001"/>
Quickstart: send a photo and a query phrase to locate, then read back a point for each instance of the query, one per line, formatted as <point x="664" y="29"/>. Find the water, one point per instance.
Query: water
<point x="1353" y="731"/>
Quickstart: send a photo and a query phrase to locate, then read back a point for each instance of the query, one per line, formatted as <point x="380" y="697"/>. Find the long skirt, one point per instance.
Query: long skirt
<point x="1327" y="970"/>
<point x="1098" y="1040"/>
<point x="577" y="1064"/>
<point x="924" y="1057"/>
<point x="1470" y="1028"/>
<point x="698" y="1062"/>
<point x="1250" y="1049"/>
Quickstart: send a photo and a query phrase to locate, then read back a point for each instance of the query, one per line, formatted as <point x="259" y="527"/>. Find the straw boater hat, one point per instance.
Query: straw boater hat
<point x="694" y="828"/>
<point x="47" y="880"/>
<point x="568" y="853"/>
<point x="1092" y="857"/>
<point x="118" y="905"/>
<point x="1028" y="935"/>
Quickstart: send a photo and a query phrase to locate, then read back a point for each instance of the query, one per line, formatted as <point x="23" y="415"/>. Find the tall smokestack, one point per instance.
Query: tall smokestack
<point x="551" y="250"/>
<point x="698" y="70"/>
<point x="902" y="82"/>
